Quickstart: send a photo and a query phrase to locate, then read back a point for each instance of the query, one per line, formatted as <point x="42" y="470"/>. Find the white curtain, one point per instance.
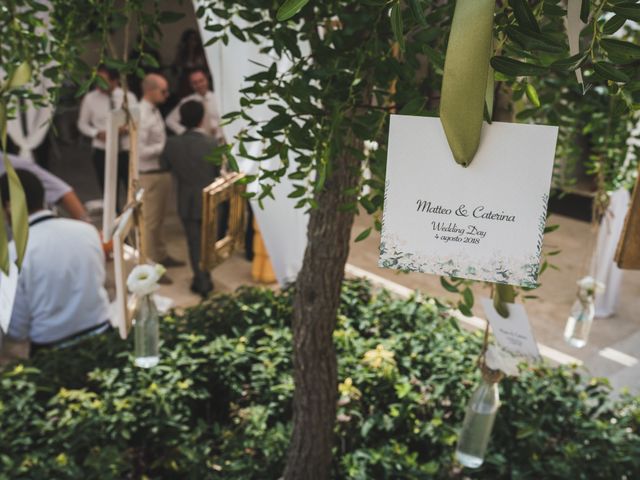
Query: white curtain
<point x="37" y="124"/>
<point x="603" y="266"/>
<point x="37" y="119"/>
<point x="283" y="227"/>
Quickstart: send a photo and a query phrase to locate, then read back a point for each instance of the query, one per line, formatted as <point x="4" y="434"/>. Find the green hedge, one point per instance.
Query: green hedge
<point x="219" y="403"/>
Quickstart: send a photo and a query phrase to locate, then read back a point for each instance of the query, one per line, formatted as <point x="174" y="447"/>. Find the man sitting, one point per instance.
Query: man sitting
<point x="185" y="156"/>
<point x="56" y="190"/>
<point x="60" y="297"/>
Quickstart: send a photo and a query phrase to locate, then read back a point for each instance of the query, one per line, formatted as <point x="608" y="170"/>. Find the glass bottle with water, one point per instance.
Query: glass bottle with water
<point x="576" y="332"/>
<point x="146" y="332"/>
<point x="478" y="424"/>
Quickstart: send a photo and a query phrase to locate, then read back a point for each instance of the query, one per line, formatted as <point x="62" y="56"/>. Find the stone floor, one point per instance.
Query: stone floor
<point x="614" y="347"/>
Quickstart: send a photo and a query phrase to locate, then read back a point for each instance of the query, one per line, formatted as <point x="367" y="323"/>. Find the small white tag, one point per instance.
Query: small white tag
<point x="514" y="333"/>
<point x="8" y="288"/>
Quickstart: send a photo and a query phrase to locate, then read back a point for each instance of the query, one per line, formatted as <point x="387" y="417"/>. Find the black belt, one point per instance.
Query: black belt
<point x="157" y="170"/>
<point x="66" y="341"/>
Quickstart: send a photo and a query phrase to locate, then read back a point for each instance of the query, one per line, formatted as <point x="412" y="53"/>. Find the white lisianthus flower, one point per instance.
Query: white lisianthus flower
<point x="498" y="359"/>
<point x="590" y="286"/>
<point x="370" y="146"/>
<point x="143" y="279"/>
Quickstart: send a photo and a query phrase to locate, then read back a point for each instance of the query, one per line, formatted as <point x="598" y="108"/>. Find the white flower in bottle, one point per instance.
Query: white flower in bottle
<point x="143" y="279"/>
<point x="589" y="286"/>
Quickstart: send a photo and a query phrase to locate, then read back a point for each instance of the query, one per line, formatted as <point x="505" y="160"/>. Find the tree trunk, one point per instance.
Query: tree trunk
<point x="316" y="305"/>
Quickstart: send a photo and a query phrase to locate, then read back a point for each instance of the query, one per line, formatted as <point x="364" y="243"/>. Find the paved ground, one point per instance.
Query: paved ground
<point x="614" y="347"/>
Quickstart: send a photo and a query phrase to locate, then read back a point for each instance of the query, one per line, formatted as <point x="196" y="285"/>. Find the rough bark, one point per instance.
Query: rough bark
<point x="316" y="305"/>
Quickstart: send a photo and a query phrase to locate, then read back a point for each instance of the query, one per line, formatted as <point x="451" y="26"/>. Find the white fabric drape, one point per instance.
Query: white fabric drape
<point x="603" y="266"/>
<point x="574" y="26"/>
<point x="283" y="227"/>
<point x="38" y="118"/>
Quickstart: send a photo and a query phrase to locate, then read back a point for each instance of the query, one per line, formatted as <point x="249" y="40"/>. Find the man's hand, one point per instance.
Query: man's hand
<point x="101" y="135"/>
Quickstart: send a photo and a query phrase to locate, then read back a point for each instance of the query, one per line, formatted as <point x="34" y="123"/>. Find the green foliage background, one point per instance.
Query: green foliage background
<point x="219" y="403"/>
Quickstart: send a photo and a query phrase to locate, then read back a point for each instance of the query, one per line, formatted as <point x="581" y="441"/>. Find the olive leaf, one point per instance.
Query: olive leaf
<point x="290" y="8"/>
<point x="417" y="12"/>
<point x="4" y="243"/>
<point x="524" y="15"/>
<point x="584" y="10"/>
<point x="610" y="72"/>
<point x="570" y="63"/>
<point x="364" y="234"/>
<point x="21" y="76"/>
<point x="612" y="25"/>
<point x="516" y="68"/>
<point x="620" y="49"/>
<point x="396" y="25"/>
<point x="629" y="10"/>
<point x="3" y="126"/>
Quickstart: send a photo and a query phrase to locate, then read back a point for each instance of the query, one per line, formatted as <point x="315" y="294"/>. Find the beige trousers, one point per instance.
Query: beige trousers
<point x="157" y="189"/>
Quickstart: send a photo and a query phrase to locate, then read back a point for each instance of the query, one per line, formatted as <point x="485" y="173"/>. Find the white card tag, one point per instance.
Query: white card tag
<point x="483" y="222"/>
<point x="8" y="288"/>
<point x="514" y="333"/>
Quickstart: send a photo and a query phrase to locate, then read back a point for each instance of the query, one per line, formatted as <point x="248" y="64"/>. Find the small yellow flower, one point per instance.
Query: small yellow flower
<point x="347" y="389"/>
<point x="379" y="357"/>
<point x="184" y="384"/>
<point x="121" y="404"/>
<point x="62" y="460"/>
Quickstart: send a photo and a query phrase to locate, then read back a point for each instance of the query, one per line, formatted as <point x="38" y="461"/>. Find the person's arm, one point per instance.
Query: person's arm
<point x="56" y="190"/>
<point x="84" y="119"/>
<point x="73" y="206"/>
<point x="173" y="121"/>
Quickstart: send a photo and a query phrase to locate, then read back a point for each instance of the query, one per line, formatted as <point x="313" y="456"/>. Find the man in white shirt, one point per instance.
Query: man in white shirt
<point x="60" y="297"/>
<point x="155" y="179"/>
<point x="200" y="86"/>
<point x="92" y="122"/>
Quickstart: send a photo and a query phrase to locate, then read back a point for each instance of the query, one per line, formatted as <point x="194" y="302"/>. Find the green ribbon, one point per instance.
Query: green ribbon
<point x="467" y="89"/>
<point x="502" y="294"/>
<point x="19" y="212"/>
<point x="464" y="83"/>
<point x="19" y="216"/>
<point x="4" y="245"/>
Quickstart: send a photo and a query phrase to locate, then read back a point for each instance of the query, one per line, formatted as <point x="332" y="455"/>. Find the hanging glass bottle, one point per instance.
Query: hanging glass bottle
<point x="576" y="332"/>
<point x="142" y="282"/>
<point x="478" y="421"/>
<point x="146" y="332"/>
